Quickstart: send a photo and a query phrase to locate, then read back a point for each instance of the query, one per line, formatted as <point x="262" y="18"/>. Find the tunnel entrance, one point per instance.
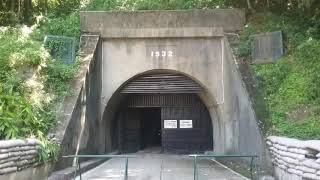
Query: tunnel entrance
<point x="151" y="127"/>
<point x="177" y="123"/>
<point x="162" y="110"/>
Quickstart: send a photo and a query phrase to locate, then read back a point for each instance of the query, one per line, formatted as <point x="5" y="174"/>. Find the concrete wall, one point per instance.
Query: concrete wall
<point x="112" y="23"/>
<point x="200" y="51"/>
<point x="209" y="62"/>
<point x="40" y="172"/>
<point x="238" y="112"/>
<point x="124" y="59"/>
<point x="78" y="120"/>
<point x="290" y="158"/>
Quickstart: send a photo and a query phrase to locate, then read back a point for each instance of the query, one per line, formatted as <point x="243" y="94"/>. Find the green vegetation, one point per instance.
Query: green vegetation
<point x="292" y="84"/>
<point x="14" y="12"/>
<point x="154" y="4"/>
<point x="32" y="83"/>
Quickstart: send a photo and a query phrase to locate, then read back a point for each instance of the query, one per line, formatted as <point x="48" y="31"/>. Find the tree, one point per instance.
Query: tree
<point x="28" y="10"/>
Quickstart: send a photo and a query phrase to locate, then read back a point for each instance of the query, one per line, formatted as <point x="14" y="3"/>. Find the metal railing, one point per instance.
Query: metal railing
<point x="211" y="155"/>
<point x="77" y="163"/>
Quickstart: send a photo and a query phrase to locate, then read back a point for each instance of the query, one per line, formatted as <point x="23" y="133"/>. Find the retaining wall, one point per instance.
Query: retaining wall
<point x="16" y="155"/>
<point x="295" y="159"/>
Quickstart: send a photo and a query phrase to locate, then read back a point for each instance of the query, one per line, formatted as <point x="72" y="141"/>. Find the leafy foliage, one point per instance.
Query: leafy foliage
<point x="48" y="151"/>
<point x="290" y="6"/>
<point x="61" y="25"/>
<point x="291" y="84"/>
<point x="26" y="11"/>
<point x="31" y="84"/>
<point x="154" y="4"/>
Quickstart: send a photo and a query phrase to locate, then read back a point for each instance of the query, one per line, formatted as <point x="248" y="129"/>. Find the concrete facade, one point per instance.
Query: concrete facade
<point x="198" y="49"/>
<point x="209" y="62"/>
<point x="116" y="22"/>
<point x="203" y="54"/>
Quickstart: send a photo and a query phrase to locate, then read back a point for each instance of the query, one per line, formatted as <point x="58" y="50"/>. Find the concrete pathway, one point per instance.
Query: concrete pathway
<point x="150" y="166"/>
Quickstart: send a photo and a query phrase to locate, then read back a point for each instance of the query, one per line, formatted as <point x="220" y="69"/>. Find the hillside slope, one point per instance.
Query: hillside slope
<point x="290" y="87"/>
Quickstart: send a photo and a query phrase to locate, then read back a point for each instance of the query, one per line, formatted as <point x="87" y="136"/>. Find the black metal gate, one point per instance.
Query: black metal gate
<point x="185" y="122"/>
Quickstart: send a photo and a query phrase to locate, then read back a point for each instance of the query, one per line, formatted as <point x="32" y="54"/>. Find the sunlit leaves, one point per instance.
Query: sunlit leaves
<point x="31" y="84"/>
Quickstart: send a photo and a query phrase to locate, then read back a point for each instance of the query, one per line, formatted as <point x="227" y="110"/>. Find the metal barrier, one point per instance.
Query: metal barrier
<point x="209" y="155"/>
<point x="77" y="162"/>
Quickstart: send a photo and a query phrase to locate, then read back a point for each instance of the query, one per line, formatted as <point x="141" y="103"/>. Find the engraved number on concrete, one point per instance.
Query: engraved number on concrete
<point x="162" y="53"/>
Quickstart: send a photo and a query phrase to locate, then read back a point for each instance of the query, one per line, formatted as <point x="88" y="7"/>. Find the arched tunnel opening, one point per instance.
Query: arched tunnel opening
<point x="159" y="112"/>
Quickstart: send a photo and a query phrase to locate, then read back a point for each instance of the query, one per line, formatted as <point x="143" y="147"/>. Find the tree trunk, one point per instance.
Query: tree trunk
<point x="13" y="2"/>
<point x="46" y="6"/>
<point x="249" y="5"/>
<point x="19" y="9"/>
<point x="27" y="13"/>
<point x="2" y="5"/>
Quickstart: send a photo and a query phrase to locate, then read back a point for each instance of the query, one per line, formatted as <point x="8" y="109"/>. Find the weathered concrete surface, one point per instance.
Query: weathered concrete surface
<point x="203" y="54"/>
<point x="162" y="32"/>
<point x="102" y="22"/>
<point x="77" y="118"/>
<point x="209" y="62"/>
<point x="40" y="172"/>
<point x="68" y="173"/>
<point x="161" y="167"/>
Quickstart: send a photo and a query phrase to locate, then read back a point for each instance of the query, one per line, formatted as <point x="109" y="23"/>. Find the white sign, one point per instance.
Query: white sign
<point x="170" y="124"/>
<point x="185" y="123"/>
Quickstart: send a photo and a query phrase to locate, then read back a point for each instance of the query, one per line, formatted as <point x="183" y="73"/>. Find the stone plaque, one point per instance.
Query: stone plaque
<point x="266" y="47"/>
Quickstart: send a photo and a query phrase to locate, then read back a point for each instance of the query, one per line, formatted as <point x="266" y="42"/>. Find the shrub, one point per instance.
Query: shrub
<point x="292" y="82"/>
<point x="31" y="85"/>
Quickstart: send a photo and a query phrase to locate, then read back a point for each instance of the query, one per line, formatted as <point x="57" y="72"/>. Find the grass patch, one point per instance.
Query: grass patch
<point x="32" y="84"/>
<point x="290" y="84"/>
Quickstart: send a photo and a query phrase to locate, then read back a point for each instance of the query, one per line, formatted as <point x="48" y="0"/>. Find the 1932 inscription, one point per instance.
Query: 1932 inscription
<point x="162" y="53"/>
